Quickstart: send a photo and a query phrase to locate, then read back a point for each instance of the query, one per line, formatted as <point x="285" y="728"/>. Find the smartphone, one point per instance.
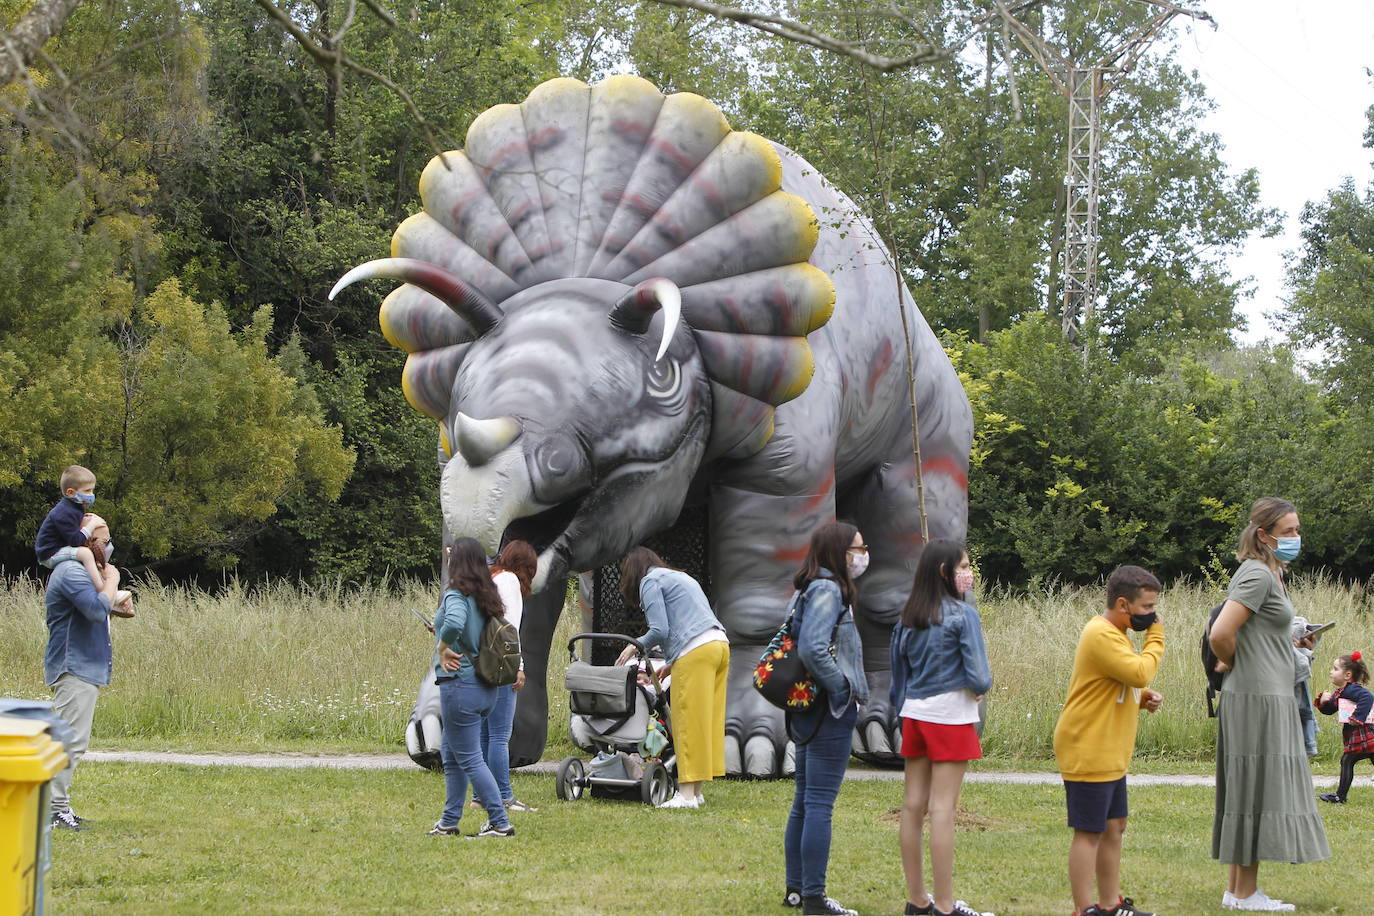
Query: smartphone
<point x="1318" y="629"/>
<point x="429" y="624"/>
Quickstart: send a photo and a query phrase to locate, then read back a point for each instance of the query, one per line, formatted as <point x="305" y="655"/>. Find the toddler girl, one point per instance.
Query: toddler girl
<point x="1352" y="703"/>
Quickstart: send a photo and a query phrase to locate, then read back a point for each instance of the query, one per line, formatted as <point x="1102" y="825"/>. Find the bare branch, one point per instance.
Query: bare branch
<point x="337" y="38"/>
<point x="330" y="60"/>
<point x="1037" y="46"/>
<point x="18" y="48"/>
<point x="920" y="53"/>
<point x="1181" y="10"/>
<point x="381" y="12"/>
<point x="1011" y="73"/>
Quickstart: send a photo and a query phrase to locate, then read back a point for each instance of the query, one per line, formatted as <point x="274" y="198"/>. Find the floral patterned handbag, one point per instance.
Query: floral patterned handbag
<point x="780" y="677"/>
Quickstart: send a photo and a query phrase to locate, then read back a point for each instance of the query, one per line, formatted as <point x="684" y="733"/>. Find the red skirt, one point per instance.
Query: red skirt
<point x="941" y="743"/>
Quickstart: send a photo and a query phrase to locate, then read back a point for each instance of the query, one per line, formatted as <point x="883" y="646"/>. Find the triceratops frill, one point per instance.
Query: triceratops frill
<point x="613" y="300"/>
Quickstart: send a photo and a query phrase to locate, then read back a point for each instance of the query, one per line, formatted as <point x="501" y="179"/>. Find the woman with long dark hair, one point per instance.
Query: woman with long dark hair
<point x="1264" y="807"/>
<point x="513" y="572"/>
<point x="939" y="675"/>
<point x="682" y="623"/>
<point x="823" y="616"/>
<point x="470" y="600"/>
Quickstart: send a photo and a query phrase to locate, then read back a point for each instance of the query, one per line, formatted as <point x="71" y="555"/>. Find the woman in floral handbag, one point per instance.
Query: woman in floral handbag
<point x="828" y="645"/>
<point x="1352" y="703"/>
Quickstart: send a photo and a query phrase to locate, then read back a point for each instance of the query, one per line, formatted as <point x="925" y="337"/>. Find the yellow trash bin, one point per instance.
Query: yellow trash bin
<point x="29" y="759"/>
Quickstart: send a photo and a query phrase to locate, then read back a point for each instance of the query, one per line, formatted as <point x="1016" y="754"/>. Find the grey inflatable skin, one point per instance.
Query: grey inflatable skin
<point x="584" y="392"/>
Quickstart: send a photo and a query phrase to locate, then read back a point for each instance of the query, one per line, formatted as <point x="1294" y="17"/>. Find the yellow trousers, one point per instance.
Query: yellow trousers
<point x="698" y="712"/>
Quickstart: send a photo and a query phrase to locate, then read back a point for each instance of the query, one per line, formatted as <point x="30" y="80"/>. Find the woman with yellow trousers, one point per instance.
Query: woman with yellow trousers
<point x="693" y="640"/>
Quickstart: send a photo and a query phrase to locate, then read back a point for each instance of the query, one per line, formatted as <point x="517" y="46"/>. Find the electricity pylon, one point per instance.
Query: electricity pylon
<point x="1086" y="87"/>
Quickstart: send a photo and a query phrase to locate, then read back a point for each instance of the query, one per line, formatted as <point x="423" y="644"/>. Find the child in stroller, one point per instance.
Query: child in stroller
<point x="623" y="713"/>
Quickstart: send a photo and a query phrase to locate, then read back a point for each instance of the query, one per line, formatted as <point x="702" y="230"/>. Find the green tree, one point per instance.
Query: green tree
<point x="1332" y="309"/>
<point x="196" y="433"/>
<point x="1082" y="463"/>
<point x="971" y="194"/>
<point x="214" y="431"/>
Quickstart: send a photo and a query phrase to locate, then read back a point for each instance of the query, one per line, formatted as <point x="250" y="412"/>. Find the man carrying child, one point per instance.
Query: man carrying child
<point x="1095" y="737"/>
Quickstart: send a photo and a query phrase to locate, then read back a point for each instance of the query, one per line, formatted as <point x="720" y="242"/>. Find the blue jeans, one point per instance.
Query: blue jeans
<point x="496" y="728"/>
<point x="462" y="704"/>
<point x="821" y="763"/>
<point x="1308" y="718"/>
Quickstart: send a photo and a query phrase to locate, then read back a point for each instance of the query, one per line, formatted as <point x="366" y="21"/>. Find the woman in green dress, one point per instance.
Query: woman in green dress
<point x="1265" y="809"/>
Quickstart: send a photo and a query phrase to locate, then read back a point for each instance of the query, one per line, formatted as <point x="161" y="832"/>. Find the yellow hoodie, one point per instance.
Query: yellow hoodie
<point x="1095" y="737"/>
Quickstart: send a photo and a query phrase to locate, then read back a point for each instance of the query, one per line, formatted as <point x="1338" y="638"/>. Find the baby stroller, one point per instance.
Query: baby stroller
<point x="617" y="713"/>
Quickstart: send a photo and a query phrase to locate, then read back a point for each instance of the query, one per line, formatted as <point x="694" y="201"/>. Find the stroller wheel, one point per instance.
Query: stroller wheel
<point x="656" y="785"/>
<point x="571" y="779"/>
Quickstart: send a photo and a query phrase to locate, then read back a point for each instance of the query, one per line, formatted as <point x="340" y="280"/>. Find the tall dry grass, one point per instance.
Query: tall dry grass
<point x="1032" y="637"/>
<point x="338" y="667"/>
<point x="244" y="667"/>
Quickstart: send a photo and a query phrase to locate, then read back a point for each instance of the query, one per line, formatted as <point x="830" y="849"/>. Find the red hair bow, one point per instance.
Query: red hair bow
<point x="1355" y="656"/>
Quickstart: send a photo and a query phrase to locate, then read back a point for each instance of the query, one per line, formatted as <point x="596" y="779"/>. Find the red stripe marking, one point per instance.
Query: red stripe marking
<point x="881" y="364"/>
<point x="827" y="486"/>
<point x="943" y="464"/>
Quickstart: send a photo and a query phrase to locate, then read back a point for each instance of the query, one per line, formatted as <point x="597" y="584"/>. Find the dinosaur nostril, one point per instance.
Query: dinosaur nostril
<point x="480" y="440"/>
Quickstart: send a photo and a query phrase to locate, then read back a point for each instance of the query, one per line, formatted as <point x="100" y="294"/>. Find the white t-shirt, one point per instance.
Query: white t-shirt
<point x="714" y="634"/>
<point x="957" y="707"/>
<point x="508" y="587"/>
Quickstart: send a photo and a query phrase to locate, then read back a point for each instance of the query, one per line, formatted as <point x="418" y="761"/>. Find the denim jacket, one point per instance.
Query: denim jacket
<point x="676" y="610"/>
<point x="458" y="624"/>
<point x="78" y="618"/>
<point x="937" y="659"/>
<point x="822" y="620"/>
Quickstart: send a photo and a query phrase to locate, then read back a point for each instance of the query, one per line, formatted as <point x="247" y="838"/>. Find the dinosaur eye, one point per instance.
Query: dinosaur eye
<point x="665" y="379"/>
<point x="558" y="467"/>
<point x="558" y="457"/>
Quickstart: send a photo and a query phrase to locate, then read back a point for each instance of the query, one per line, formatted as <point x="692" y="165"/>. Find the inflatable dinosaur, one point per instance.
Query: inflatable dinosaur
<point x="615" y="305"/>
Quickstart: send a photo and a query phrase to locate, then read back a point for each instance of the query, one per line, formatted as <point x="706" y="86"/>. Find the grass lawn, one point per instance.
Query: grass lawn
<point x="175" y="839"/>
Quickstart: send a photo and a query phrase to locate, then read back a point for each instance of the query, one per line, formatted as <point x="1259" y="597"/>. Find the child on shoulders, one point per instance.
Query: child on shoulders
<point x="64" y="532"/>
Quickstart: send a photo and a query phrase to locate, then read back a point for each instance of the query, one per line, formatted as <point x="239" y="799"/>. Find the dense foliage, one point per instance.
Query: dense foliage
<point x="182" y="183"/>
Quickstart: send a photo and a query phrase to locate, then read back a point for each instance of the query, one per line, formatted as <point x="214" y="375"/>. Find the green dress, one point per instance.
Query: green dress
<point x="1265" y="804"/>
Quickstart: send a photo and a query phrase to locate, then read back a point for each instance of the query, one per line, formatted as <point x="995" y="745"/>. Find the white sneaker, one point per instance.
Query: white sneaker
<point x="1262" y="902"/>
<point x="701" y="800"/>
<point x="1228" y="901"/>
<point x="678" y="801"/>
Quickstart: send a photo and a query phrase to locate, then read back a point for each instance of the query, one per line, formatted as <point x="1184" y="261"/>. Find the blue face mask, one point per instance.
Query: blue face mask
<point x="1288" y="548"/>
<point x="86" y="499"/>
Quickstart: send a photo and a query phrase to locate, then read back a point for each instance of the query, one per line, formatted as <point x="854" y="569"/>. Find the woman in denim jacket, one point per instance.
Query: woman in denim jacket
<point x="939" y="675"/>
<point x="828" y="644"/>
<point x="681" y="623"/>
<point x="470" y="600"/>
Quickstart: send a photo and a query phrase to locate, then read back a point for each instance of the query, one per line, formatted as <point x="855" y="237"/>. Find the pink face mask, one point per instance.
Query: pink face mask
<point x="963" y="581"/>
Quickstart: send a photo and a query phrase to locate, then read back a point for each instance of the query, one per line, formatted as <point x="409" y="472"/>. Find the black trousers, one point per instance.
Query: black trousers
<point x="1348" y="762"/>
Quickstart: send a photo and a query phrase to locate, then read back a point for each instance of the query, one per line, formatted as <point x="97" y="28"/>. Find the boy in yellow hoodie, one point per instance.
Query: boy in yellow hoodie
<point x="1095" y="737"/>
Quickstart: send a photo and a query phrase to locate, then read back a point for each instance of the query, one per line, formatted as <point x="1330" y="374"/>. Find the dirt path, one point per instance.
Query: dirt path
<point x="402" y="762"/>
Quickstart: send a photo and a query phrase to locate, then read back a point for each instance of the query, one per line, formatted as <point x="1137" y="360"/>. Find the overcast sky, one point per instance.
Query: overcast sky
<point x="1289" y="81"/>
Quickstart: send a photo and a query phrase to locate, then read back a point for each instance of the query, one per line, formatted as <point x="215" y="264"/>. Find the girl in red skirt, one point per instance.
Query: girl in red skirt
<point x="939" y="675"/>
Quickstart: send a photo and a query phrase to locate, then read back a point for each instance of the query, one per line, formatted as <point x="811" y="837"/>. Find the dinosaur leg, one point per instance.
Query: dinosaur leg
<point x="885" y="506"/>
<point x="542" y="610"/>
<point x="424" y="733"/>
<point x="757" y="543"/>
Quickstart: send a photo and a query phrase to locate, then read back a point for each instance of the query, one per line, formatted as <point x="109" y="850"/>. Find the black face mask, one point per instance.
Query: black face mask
<point x="1142" y="621"/>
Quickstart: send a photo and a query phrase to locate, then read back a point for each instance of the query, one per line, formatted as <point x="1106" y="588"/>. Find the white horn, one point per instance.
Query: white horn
<point x="670" y="297"/>
<point x="634" y="311"/>
<point x="480" y="440"/>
